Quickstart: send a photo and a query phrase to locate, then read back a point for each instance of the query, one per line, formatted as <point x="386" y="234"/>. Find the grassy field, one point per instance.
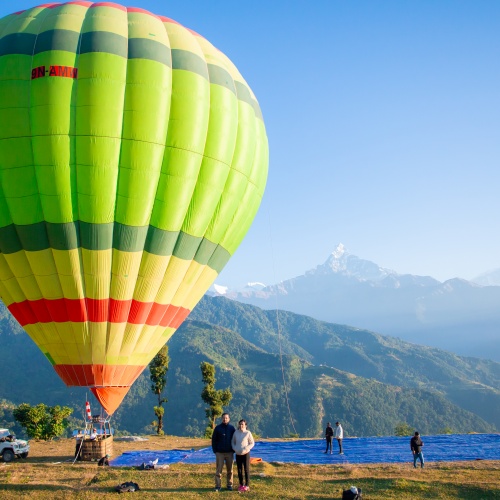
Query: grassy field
<point x="46" y="474"/>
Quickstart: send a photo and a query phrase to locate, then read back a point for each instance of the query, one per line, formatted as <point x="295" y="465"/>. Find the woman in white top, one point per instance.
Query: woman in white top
<point x="242" y="443"/>
<point x="339" y="435"/>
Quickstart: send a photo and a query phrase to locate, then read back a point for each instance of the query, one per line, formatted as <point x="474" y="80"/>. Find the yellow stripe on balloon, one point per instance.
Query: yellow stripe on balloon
<point x="68" y="265"/>
<point x="44" y="269"/>
<point x="130" y="338"/>
<point x="97" y="273"/>
<point x="150" y="276"/>
<point x="115" y="339"/>
<point x="9" y="290"/>
<point x="20" y="267"/>
<point x="176" y="271"/>
<point x="97" y="334"/>
<point x="191" y="284"/>
<point x="125" y="269"/>
<point x="148" y="339"/>
<point x="205" y="279"/>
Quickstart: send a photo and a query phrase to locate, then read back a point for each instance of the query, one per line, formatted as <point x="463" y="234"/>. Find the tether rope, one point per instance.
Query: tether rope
<point x="278" y="325"/>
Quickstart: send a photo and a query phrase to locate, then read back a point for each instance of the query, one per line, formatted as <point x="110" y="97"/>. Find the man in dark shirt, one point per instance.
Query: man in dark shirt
<point x="221" y="446"/>
<point x="416" y="448"/>
<point x="329" y="437"/>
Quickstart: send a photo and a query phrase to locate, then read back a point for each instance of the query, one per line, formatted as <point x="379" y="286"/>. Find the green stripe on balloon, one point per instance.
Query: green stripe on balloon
<point x="142" y="48"/>
<point x="72" y="235"/>
<point x="50" y="358"/>
<point x="104" y="41"/>
<point x="65" y="40"/>
<point x="183" y="59"/>
<point x="219" y="76"/>
<point x="133" y="48"/>
<point x="17" y="43"/>
<point x="243" y="94"/>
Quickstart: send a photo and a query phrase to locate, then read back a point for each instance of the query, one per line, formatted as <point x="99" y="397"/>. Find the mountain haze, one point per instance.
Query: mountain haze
<point x="456" y="315"/>
<point x="490" y="278"/>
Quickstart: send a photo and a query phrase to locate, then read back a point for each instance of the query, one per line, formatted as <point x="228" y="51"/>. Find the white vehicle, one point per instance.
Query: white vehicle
<point x="11" y="447"/>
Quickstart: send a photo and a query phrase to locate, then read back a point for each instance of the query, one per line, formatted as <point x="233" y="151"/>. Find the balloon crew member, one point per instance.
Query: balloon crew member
<point x="242" y="443"/>
<point x="78" y="444"/>
<point x="339" y="435"/>
<point x="222" y="447"/>
<point x="416" y="448"/>
<point x="103" y="461"/>
<point x="329" y="437"/>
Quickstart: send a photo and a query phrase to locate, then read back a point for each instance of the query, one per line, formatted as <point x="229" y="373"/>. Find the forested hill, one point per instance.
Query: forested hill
<point x="471" y="383"/>
<point x="332" y="372"/>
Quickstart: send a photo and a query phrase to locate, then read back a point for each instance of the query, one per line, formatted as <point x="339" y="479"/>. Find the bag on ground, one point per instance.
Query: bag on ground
<point x="352" y="494"/>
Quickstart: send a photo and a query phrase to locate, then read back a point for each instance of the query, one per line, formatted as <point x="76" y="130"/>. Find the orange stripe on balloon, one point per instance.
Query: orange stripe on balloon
<point x="110" y="397"/>
<point x="98" y="375"/>
<point x="30" y="312"/>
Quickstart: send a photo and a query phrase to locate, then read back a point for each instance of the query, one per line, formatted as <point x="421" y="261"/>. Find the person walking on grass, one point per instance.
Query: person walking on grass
<point x="222" y="447"/>
<point x="329" y="437"/>
<point x="242" y="443"/>
<point x="339" y="435"/>
<point x="416" y="448"/>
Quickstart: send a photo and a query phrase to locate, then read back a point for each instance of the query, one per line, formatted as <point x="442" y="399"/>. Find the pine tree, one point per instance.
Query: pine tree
<point x="215" y="399"/>
<point x="158" y="369"/>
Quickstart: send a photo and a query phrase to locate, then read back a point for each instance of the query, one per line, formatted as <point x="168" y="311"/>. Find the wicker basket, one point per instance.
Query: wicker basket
<point x="94" y="449"/>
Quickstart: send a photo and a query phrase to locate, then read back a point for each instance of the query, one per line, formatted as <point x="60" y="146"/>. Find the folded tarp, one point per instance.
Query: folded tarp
<point x="452" y="447"/>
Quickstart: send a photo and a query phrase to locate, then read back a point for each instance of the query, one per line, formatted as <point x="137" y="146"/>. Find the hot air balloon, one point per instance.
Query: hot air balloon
<point x="133" y="159"/>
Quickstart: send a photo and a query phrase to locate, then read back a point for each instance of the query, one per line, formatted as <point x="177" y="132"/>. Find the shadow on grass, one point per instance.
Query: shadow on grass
<point x="48" y="460"/>
<point x="406" y="489"/>
<point x="36" y="488"/>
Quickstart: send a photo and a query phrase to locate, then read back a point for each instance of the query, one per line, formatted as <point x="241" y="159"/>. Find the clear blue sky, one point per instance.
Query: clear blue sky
<point x="383" y="119"/>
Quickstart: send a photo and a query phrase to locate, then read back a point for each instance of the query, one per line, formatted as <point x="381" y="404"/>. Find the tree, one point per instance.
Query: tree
<point x="42" y="421"/>
<point x="403" y="429"/>
<point x="215" y="399"/>
<point x="158" y="369"/>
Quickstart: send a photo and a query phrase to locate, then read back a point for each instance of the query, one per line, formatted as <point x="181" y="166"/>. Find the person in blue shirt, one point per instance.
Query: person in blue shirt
<point x="416" y="448"/>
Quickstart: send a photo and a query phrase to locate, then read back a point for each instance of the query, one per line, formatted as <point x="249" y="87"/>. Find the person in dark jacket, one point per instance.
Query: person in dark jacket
<point x="329" y="437"/>
<point x="222" y="447"/>
<point x="103" y="461"/>
<point x="416" y="448"/>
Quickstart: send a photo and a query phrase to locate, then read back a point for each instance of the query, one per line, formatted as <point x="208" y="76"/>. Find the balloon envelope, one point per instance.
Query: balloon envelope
<point x="133" y="159"/>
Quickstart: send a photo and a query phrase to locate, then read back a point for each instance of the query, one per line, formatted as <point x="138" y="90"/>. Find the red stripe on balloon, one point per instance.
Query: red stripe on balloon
<point x="83" y="4"/>
<point x="30" y="312"/>
<point x="98" y="375"/>
<point x="168" y="20"/>
<point x="141" y="11"/>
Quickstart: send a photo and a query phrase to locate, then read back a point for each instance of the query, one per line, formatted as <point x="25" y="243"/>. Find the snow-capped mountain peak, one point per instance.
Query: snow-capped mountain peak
<point x="219" y="289"/>
<point x="341" y="261"/>
<point x="251" y="287"/>
<point x="339" y="251"/>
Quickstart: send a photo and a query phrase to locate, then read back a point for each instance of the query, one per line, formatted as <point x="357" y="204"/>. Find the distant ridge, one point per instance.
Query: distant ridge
<point x="459" y="315"/>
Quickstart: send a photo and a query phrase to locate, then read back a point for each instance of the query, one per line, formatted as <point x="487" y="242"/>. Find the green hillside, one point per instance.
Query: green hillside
<point x="332" y="372"/>
<point x="471" y="383"/>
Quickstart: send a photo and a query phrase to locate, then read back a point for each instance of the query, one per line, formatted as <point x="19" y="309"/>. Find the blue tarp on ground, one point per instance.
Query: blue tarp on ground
<point x="448" y="448"/>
